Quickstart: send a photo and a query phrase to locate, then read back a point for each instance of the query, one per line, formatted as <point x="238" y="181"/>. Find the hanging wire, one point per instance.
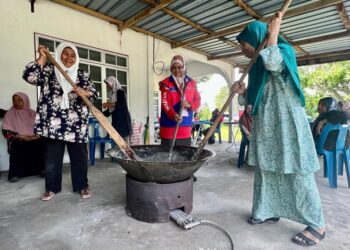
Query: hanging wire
<point x="157" y="62"/>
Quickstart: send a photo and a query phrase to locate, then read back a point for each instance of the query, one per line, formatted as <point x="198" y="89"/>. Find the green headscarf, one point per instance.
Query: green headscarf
<point x="254" y="34"/>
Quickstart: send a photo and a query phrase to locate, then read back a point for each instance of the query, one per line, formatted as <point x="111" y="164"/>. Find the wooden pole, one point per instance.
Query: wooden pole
<point x="232" y="93"/>
<point x="98" y="115"/>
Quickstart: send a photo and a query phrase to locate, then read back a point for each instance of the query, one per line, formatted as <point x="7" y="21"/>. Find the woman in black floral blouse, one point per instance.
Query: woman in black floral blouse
<point x="62" y="117"/>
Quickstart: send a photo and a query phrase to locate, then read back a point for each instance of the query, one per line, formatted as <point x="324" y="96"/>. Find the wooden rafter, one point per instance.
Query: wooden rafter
<point x="324" y="55"/>
<point x="191" y="23"/>
<point x="145" y="13"/>
<point x="319" y="58"/>
<point x="335" y="58"/>
<point x="119" y="22"/>
<point x="322" y="38"/>
<point x="343" y="15"/>
<point x="247" y="9"/>
<point x="255" y="15"/>
<point x="300" y="42"/>
<point x="226" y="56"/>
<point x="234" y="29"/>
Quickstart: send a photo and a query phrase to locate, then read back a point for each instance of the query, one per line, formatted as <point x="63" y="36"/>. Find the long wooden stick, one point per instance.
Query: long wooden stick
<point x="182" y="92"/>
<point x="98" y="115"/>
<point x="232" y="93"/>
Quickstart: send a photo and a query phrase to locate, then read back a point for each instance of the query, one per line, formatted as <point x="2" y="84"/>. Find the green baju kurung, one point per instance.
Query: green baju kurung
<point x="282" y="150"/>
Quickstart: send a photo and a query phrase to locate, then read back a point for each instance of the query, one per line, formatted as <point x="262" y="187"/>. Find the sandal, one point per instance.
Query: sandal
<point x="47" y="196"/>
<point x="303" y="240"/>
<point x="85" y="193"/>
<point x="253" y="221"/>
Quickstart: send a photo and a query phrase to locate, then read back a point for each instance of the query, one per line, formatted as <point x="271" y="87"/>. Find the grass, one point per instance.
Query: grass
<point x="225" y="130"/>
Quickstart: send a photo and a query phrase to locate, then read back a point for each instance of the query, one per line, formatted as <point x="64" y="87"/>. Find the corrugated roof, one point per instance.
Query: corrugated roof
<point x="318" y="29"/>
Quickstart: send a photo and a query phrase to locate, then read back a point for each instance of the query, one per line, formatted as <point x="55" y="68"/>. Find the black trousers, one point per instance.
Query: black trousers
<point x="26" y="158"/>
<point x="53" y="154"/>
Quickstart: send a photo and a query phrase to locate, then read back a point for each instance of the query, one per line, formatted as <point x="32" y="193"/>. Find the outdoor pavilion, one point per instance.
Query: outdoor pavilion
<point x="319" y="31"/>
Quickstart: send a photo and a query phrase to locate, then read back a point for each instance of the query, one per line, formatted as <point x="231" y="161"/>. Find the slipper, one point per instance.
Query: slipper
<point x="253" y="221"/>
<point x="47" y="196"/>
<point x="85" y="193"/>
<point x="303" y="240"/>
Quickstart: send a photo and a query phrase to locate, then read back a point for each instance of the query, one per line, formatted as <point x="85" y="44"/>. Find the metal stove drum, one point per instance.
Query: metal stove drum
<point x="155" y="186"/>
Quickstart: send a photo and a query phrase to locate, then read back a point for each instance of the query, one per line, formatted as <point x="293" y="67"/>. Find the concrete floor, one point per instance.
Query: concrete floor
<point x="222" y="194"/>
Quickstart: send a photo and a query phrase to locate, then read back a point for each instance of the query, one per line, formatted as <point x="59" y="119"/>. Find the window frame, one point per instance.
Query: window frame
<point x="102" y="64"/>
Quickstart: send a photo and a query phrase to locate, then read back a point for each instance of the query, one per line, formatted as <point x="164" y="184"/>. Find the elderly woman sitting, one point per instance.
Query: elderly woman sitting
<point x="330" y="112"/>
<point x="25" y="148"/>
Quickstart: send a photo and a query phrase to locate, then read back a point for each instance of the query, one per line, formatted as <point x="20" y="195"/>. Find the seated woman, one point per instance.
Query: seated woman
<point x="25" y="148"/>
<point x="245" y="125"/>
<point x="2" y="113"/>
<point x="329" y="112"/>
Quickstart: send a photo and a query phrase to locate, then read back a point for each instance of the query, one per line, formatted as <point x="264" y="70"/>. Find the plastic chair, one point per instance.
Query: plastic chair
<point x="97" y="139"/>
<point x="331" y="158"/>
<point x="218" y="131"/>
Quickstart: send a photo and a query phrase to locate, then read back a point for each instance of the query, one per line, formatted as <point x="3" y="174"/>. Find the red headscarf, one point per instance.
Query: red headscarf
<point x="20" y="121"/>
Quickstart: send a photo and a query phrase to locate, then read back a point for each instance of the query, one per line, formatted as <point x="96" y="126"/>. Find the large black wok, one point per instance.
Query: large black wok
<point x="154" y="165"/>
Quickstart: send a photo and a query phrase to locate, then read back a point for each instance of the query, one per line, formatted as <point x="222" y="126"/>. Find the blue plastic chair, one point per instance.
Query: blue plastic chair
<point x="334" y="159"/>
<point x="218" y="131"/>
<point x="97" y="139"/>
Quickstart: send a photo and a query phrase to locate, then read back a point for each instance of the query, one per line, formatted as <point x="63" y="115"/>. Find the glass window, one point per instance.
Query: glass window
<point x="95" y="73"/>
<point x="121" y="75"/>
<point x="83" y="53"/>
<point x="48" y="43"/>
<point x="110" y="66"/>
<point x="84" y="67"/>
<point x="94" y="55"/>
<point x="98" y="103"/>
<point x="111" y="72"/>
<point x="121" y="61"/>
<point x="98" y="87"/>
<point x="111" y="59"/>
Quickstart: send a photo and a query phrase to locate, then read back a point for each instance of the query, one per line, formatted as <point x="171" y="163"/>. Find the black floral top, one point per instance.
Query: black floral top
<point x="51" y="121"/>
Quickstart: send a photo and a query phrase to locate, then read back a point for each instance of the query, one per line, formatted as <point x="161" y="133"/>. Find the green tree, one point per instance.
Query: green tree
<point x="331" y="79"/>
<point x="221" y="97"/>
<point x="204" y="113"/>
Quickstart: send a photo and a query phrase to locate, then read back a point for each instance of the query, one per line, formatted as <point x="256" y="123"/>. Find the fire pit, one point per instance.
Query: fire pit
<point x="155" y="186"/>
<point x="154" y="165"/>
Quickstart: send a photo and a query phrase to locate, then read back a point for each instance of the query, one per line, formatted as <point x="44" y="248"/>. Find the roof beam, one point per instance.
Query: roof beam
<point x="88" y="11"/>
<point x="289" y="13"/>
<point x="191" y="23"/>
<point x="145" y="13"/>
<point x="322" y="38"/>
<point x="118" y="23"/>
<point x="226" y="56"/>
<point x="318" y="58"/>
<point x="330" y="59"/>
<point x="300" y="42"/>
<point x="255" y="15"/>
<point x="343" y="15"/>
<point x="324" y="57"/>
<point x="247" y="9"/>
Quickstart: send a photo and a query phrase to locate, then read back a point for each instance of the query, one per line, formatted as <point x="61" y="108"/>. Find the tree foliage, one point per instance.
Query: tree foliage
<point x="204" y="113"/>
<point x="331" y="79"/>
<point x="221" y="97"/>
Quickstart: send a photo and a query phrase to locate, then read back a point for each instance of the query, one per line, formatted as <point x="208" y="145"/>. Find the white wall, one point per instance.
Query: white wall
<point x="18" y="26"/>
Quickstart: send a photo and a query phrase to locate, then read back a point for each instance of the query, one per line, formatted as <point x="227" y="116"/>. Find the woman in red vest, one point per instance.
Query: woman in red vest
<point x="172" y="89"/>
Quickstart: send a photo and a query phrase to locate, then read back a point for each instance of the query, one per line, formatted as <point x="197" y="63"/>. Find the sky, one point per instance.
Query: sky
<point x="210" y="89"/>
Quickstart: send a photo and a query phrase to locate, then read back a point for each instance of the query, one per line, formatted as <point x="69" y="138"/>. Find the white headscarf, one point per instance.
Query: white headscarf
<point x="115" y="86"/>
<point x="72" y="72"/>
<point x="179" y="80"/>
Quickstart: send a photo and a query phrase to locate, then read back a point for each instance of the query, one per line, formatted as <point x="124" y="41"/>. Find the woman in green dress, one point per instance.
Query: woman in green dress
<point x="281" y="147"/>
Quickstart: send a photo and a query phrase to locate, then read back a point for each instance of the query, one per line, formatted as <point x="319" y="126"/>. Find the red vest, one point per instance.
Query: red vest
<point x="170" y="105"/>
